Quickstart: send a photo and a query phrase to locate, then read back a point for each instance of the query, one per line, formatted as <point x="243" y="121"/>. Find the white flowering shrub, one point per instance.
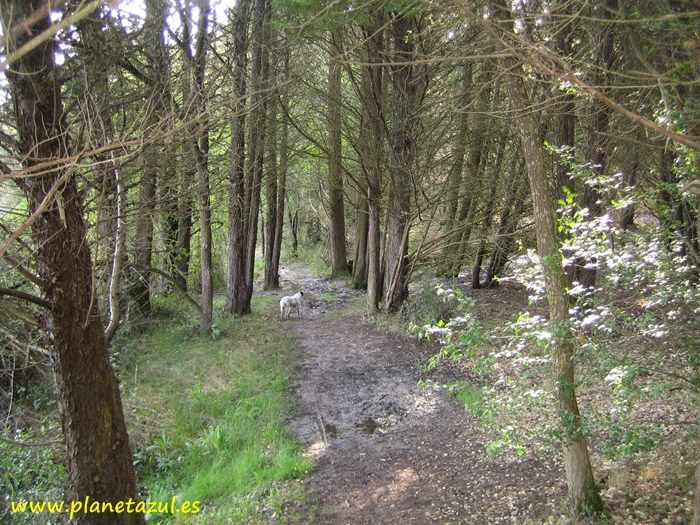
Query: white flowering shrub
<point x="635" y="334"/>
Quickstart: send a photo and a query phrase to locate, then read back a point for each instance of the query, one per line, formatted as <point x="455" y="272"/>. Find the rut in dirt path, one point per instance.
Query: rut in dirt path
<point x="389" y="452"/>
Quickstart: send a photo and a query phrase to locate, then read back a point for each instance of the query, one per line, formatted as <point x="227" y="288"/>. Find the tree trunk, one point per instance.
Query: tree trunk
<point x="336" y="211"/>
<point x="118" y="263"/>
<point x="583" y="494"/>
<point x="112" y="200"/>
<point x="359" y="267"/>
<point x="282" y="181"/>
<point x="237" y="224"/>
<point x="276" y="179"/>
<point x="271" y="281"/>
<point x="99" y="459"/>
<point x="372" y="85"/>
<point x="408" y="88"/>
<point x="153" y="154"/>
<point x="262" y="10"/>
<point x="294" y="230"/>
<point x="201" y="154"/>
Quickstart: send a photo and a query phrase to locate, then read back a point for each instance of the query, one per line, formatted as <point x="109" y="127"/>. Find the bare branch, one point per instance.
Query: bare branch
<point x="48" y="33"/>
<point x="27" y="297"/>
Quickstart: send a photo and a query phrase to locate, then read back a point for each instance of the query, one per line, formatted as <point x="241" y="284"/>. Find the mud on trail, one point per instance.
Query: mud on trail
<point x="386" y="450"/>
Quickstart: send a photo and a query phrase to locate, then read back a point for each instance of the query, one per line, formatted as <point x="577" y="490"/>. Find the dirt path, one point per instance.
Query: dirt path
<point x="389" y="452"/>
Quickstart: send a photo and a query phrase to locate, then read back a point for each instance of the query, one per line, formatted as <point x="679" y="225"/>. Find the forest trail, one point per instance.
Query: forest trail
<point x="386" y="450"/>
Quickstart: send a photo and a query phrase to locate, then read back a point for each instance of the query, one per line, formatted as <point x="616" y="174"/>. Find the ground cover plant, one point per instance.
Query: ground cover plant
<point x="207" y="420"/>
<point x="210" y="413"/>
<point x="636" y="357"/>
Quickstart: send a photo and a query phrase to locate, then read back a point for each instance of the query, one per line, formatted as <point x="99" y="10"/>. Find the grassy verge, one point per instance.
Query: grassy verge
<point x="207" y="416"/>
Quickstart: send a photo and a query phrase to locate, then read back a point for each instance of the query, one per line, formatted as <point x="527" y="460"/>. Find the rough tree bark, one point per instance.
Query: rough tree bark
<point x="359" y="267"/>
<point x="237" y="225"/>
<point x="200" y="151"/>
<point x="260" y="62"/>
<point x="277" y="180"/>
<point x="99" y="458"/>
<point x="372" y="86"/>
<point x="336" y="206"/>
<point x="281" y="181"/>
<point x="112" y="201"/>
<point x="271" y="277"/>
<point x="408" y="87"/>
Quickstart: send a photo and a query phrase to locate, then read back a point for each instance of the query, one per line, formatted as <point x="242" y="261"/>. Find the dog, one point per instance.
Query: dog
<point x="287" y="304"/>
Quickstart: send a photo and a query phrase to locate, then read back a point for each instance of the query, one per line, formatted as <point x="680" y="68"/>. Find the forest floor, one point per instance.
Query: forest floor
<point x="386" y="450"/>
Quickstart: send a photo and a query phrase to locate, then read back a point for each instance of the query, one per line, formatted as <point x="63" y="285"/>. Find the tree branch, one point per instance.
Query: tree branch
<point x="48" y="33"/>
<point x="180" y="291"/>
<point x="27" y="297"/>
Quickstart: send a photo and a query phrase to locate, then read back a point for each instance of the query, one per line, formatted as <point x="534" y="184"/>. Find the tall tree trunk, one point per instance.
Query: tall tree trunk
<point x="282" y="180"/>
<point x="339" y="263"/>
<point x="201" y="154"/>
<point x="156" y="111"/>
<point x="407" y="93"/>
<point x="237" y="223"/>
<point x="99" y="459"/>
<point x="372" y="85"/>
<point x="112" y="200"/>
<point x="118" y="262"/>
<point x="271" y="281"/>
<point x="583" y="494"/>
<point x="262" y="11"/>
<point x="294" y="230"/>
<point x="246" y="173"/>
<point x="183" y="242"/>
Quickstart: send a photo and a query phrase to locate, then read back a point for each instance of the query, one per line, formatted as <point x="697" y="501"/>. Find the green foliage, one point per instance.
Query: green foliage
<point x="473" y="398"/>
<point x="224" y="442"/>
<point x="507" y="440"/>
<point x="32" y="473"/>
<point x="461" y="333"/>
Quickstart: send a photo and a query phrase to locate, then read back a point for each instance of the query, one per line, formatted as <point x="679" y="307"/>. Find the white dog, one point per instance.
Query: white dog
<point x="287" y="304"/>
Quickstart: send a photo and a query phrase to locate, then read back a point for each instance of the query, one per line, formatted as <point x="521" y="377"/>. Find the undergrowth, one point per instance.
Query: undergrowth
<point x="207" y="416"/>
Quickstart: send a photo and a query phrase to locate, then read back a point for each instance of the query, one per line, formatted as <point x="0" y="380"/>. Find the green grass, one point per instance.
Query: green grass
<point x="470" y="396"/>
<point x="207" y="418"/>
